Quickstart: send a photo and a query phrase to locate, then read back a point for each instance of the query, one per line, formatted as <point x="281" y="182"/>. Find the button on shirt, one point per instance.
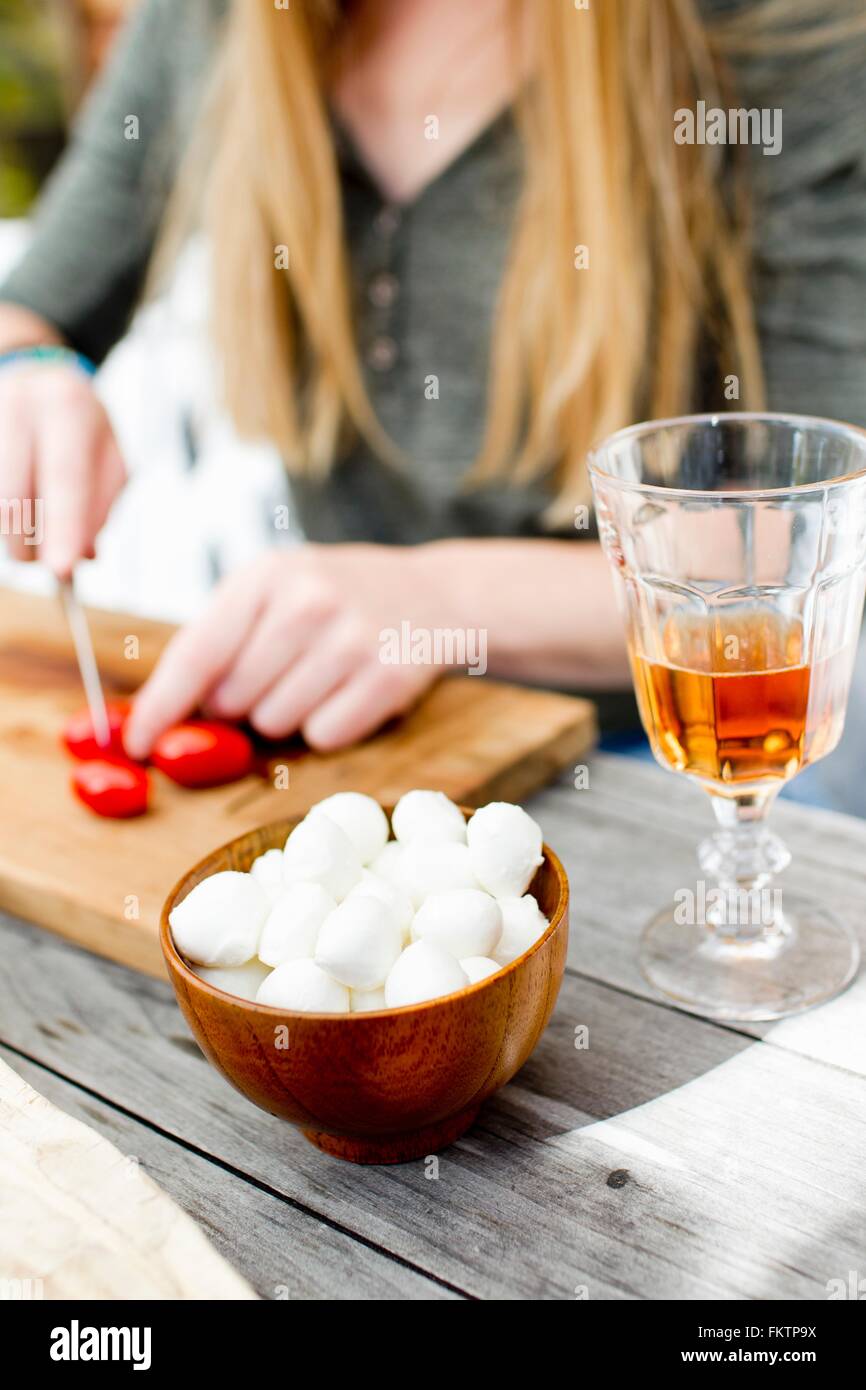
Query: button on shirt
<point x="426" y="277"/>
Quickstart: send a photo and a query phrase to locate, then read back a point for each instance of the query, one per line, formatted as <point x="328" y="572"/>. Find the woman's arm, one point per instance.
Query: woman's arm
<point x="548" y="607"/>
<point x="97" y="218"/>
<point x="22" y="328"/>
<point x="333" y="640"/>
<point x="81" y="274"/>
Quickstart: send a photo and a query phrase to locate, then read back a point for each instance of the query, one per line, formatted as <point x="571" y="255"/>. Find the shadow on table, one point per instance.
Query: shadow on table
<point x="606" y="1052"/>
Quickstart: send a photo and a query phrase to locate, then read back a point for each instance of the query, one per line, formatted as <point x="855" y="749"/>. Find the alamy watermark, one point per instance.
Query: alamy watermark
<point x="77" y="1343"/>
<point x="727" y="907"/>
<point x="463" y="647"/>
<point x="854" y="1287"/>
<point x="21" y="1290"/>
<point x="22" y="517"/>
<point x="737" y="126"/>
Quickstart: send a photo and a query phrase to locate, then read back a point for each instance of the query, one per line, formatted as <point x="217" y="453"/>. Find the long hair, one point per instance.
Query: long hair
<point x="583" y="341"/>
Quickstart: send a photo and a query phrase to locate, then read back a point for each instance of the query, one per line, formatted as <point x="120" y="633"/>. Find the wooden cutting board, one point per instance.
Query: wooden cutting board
<point x="102" y="883"/>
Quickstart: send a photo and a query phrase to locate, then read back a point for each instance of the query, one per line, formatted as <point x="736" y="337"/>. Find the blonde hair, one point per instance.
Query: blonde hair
<point x="575" y="353"/>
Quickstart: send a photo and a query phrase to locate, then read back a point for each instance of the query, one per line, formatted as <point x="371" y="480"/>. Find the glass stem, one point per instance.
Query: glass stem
<point x="743" y="856"/>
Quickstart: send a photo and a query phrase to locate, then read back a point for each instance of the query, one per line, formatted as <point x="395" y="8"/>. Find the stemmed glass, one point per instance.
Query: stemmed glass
<point x="739" y="546"/>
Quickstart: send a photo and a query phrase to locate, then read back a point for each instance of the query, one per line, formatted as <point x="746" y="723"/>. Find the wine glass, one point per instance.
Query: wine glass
<point x="739" y="546"/>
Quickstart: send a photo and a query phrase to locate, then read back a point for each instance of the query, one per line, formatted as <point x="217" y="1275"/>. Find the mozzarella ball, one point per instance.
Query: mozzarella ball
<point x="523" y="922"/>
<point x="427" y="869"/>
<point x="359" y="942"/>
<point x="464" y="921"/>
<point x="220" y="920"/>
<point x="388" y="864"/>
<point x="318" y="851"/>
<point x="300" y="985"/>
<point x="242" y="980"/>
<point x="423" y="971"/>
<point x="391" y="894"/>
<point x="267" y="870"/>
<point x="505" y="848"/>
<point x="366" y="1001"/>
<point x="478" y="968"/>
<point x="292" y="925"/>
<point x="362" y="819"/>
<point x="429" y="817"/>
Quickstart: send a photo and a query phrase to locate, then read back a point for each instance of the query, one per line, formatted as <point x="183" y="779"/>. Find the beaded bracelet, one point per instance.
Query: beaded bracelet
<point x="48" y="353"/>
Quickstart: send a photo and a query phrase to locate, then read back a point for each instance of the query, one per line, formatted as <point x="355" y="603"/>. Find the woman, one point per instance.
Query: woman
<point x="452" y="245"/>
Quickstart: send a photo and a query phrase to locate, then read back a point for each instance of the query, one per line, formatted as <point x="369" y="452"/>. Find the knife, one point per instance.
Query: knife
<point x="77" y="620"/>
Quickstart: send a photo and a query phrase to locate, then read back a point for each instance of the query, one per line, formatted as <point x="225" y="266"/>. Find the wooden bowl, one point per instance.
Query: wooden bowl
<point x="379" y="1087"/>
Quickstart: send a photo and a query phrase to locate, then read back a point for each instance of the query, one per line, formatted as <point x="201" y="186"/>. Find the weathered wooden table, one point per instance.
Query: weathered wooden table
<point x="670" y="1159"/>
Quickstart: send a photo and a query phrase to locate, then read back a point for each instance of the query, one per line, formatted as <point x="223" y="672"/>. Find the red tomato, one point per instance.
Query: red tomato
<point x="203" y="753"/>
<point x="80" y="737"/>
<point x="116" y="789"/>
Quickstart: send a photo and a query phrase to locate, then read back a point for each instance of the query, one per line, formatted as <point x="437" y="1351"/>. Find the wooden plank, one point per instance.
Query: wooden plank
<point x="283" y="1251"/>
<point x="102" y="883"/>
<point x="82" y="1221"/>
<point x="628" y="843"/>
<point x="672" y="1159"/>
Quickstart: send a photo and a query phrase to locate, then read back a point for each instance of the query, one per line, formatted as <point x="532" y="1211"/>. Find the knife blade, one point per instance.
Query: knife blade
<point x="77" y="620"/>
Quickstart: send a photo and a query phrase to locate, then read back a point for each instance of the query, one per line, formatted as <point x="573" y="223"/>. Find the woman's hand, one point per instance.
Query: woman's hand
<point x="58" y="459"/>
<point x="301" y="639"/>
<point x="294" y="642"/>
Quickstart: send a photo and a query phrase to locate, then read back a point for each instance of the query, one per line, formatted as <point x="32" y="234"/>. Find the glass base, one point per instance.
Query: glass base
<point x="803" y="958"/>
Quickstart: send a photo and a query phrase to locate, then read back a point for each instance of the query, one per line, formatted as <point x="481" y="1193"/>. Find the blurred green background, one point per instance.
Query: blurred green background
<point x="49" y="52"/>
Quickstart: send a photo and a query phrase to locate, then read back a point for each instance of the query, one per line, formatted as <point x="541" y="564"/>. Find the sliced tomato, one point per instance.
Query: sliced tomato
<point x="79" y="734"/>
<point x="116" y="789"/>
<point x="203" y="753"/>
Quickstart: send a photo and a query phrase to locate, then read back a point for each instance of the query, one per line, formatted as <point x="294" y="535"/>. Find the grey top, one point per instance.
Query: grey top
<point x="426" y="274"/>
